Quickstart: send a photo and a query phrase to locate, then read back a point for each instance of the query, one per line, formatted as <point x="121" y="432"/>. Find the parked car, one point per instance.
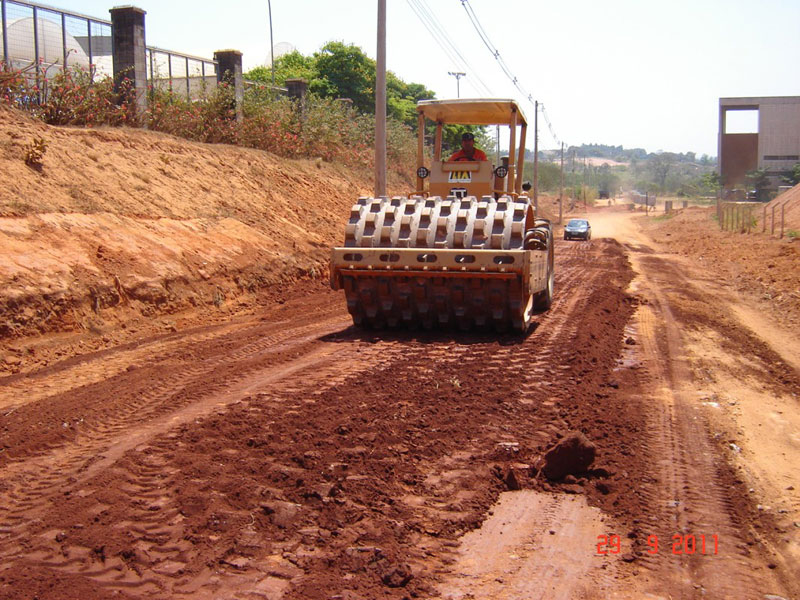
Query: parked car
<point x="578" y="229"/>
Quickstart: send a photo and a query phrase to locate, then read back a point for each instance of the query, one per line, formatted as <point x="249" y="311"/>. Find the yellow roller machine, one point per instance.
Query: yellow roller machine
<point x="466" y="250"/>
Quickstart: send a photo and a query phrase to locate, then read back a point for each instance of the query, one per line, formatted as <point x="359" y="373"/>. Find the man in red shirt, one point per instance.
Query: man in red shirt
<point x="468" y="150"/>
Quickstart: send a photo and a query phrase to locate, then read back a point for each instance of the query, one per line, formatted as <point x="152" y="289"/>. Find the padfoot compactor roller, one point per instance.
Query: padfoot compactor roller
<point x="465" y="251"/>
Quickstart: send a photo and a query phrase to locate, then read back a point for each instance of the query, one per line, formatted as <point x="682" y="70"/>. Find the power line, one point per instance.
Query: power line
<point x="503" y="66"/>
<point x="443" y="32"/>
<point x="439" y="35"/>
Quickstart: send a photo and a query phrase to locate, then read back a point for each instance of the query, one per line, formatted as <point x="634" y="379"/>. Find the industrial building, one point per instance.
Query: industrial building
<point x="774" y="147"/>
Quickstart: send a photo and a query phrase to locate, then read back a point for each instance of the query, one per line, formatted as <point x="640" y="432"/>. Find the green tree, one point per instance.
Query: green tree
<point x="708" y="184"/>
<point x="549" y="175"/>
<point x="794" y="177"/>
<point x="660" y="165"/>
<point x="344" y="71"/>
<point x="402" y="98"/>
<point x="292" y="65"/>
<point x="757" y="180"/>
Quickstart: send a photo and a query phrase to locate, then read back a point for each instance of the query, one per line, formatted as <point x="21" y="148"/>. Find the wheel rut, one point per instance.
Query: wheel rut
<point x="293" y="456"/>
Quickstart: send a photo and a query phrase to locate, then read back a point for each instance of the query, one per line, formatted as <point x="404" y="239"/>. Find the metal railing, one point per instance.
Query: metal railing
<point x="39" y="38"/>
<point x="49" y="38"/>
<point x="180" y="73"/>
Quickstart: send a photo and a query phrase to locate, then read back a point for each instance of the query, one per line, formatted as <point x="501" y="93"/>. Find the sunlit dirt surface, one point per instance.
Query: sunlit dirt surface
<point x="284" y="454"/>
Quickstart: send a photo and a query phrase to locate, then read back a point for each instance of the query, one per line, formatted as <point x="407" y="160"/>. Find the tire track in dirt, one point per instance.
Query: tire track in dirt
<point x="693" y="497"/>
<point x="80" y="371"/>
<point x="536" y="567"/>
<point x="28" y="485"/>
<point x="154" y="505"/>
<point x="356" y="473"/>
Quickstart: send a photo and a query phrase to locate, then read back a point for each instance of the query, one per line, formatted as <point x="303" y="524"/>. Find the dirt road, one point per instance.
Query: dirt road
<point x="286" y="455"/>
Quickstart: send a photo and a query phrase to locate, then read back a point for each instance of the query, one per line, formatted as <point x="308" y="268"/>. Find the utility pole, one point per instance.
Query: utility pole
<point x="271" y="43"/>
<point x="584" y="183"/>
<point x="380" y="104"/>
<point x="561" y="188"/>
<point x="536" y="157"/>
<point x="458" y="75"/>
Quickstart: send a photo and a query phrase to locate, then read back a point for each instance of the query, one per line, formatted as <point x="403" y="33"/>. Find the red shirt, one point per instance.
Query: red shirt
<point x="476" y="155"/>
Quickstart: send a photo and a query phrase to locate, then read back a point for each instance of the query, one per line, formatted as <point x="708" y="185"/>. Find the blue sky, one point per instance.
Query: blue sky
<point x="635" y="73"/>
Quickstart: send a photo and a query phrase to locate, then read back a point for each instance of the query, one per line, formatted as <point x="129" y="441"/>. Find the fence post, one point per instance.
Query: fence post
<point x="36" y="52"/>
<point x="5" y="31"/>
<point x="64" y="41"/>
<point x="229" y="70"/>
<point x="296" y="89"/>
<point x="772" y="228"/>
<point x="129" y="52"/>
<point x="764" y="220"/>
<point x="783" y="206"/>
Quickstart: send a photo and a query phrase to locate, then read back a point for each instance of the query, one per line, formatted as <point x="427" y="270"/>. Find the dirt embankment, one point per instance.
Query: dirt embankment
<point x="788" y="203"/>
<point x="755" y="264"/>
<point x="120" y="225"/>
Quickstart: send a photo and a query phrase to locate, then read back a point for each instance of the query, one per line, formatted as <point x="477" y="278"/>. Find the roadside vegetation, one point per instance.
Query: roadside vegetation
<point x="323" y="127"/>
<point x="340" y="70"/>
<point x="661" y="174"/>
<point x="336" y="123"/>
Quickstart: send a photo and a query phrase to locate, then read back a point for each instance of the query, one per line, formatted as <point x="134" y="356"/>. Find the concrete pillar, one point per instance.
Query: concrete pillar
<point x="128" y="51"/>
<point x="297" y="89"/>
<point x="229" y="70"/>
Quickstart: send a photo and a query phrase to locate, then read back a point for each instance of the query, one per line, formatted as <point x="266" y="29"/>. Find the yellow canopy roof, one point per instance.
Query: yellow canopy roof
<point x="471" y="111"/>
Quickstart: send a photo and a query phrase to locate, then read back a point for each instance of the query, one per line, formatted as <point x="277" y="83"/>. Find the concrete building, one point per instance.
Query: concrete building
<point x="774" y="147"/>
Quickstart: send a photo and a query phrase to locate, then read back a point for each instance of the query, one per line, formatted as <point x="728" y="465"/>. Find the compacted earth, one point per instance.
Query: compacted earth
<point x="187" y="412"/>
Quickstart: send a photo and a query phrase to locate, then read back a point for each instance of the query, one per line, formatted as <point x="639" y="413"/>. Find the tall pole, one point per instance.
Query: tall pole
<point x="584" y="183"/>
<point x="536" y="156"/>
<point x="271" y="43"/>
<point x="561" y="187"/>
<point x="380" y="104"/>
<point x="458" y="75"/>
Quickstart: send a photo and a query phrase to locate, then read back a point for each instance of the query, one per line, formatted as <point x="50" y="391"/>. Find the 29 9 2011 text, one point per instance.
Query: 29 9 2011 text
<point x="687" y="544"/>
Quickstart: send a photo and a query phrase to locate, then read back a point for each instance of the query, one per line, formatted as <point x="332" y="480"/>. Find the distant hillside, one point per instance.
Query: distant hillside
<point x="620" y="154"/>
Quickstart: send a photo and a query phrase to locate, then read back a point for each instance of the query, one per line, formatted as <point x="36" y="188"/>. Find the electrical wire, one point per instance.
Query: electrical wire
<point x="443" y="40"/>
<point x="503" y="66"/>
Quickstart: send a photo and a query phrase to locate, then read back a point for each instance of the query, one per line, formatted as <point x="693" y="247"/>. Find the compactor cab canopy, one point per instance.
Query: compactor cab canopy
<point x="471" y="178"/>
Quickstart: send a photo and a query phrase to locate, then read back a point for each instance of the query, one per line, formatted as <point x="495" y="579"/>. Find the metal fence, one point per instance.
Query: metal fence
<point x="189" y="76"/>
<point x="41" y="40"/>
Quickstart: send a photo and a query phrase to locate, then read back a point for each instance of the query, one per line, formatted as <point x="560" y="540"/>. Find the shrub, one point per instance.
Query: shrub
<point x="323" y="128"/>
<point x="34" y="152"/>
